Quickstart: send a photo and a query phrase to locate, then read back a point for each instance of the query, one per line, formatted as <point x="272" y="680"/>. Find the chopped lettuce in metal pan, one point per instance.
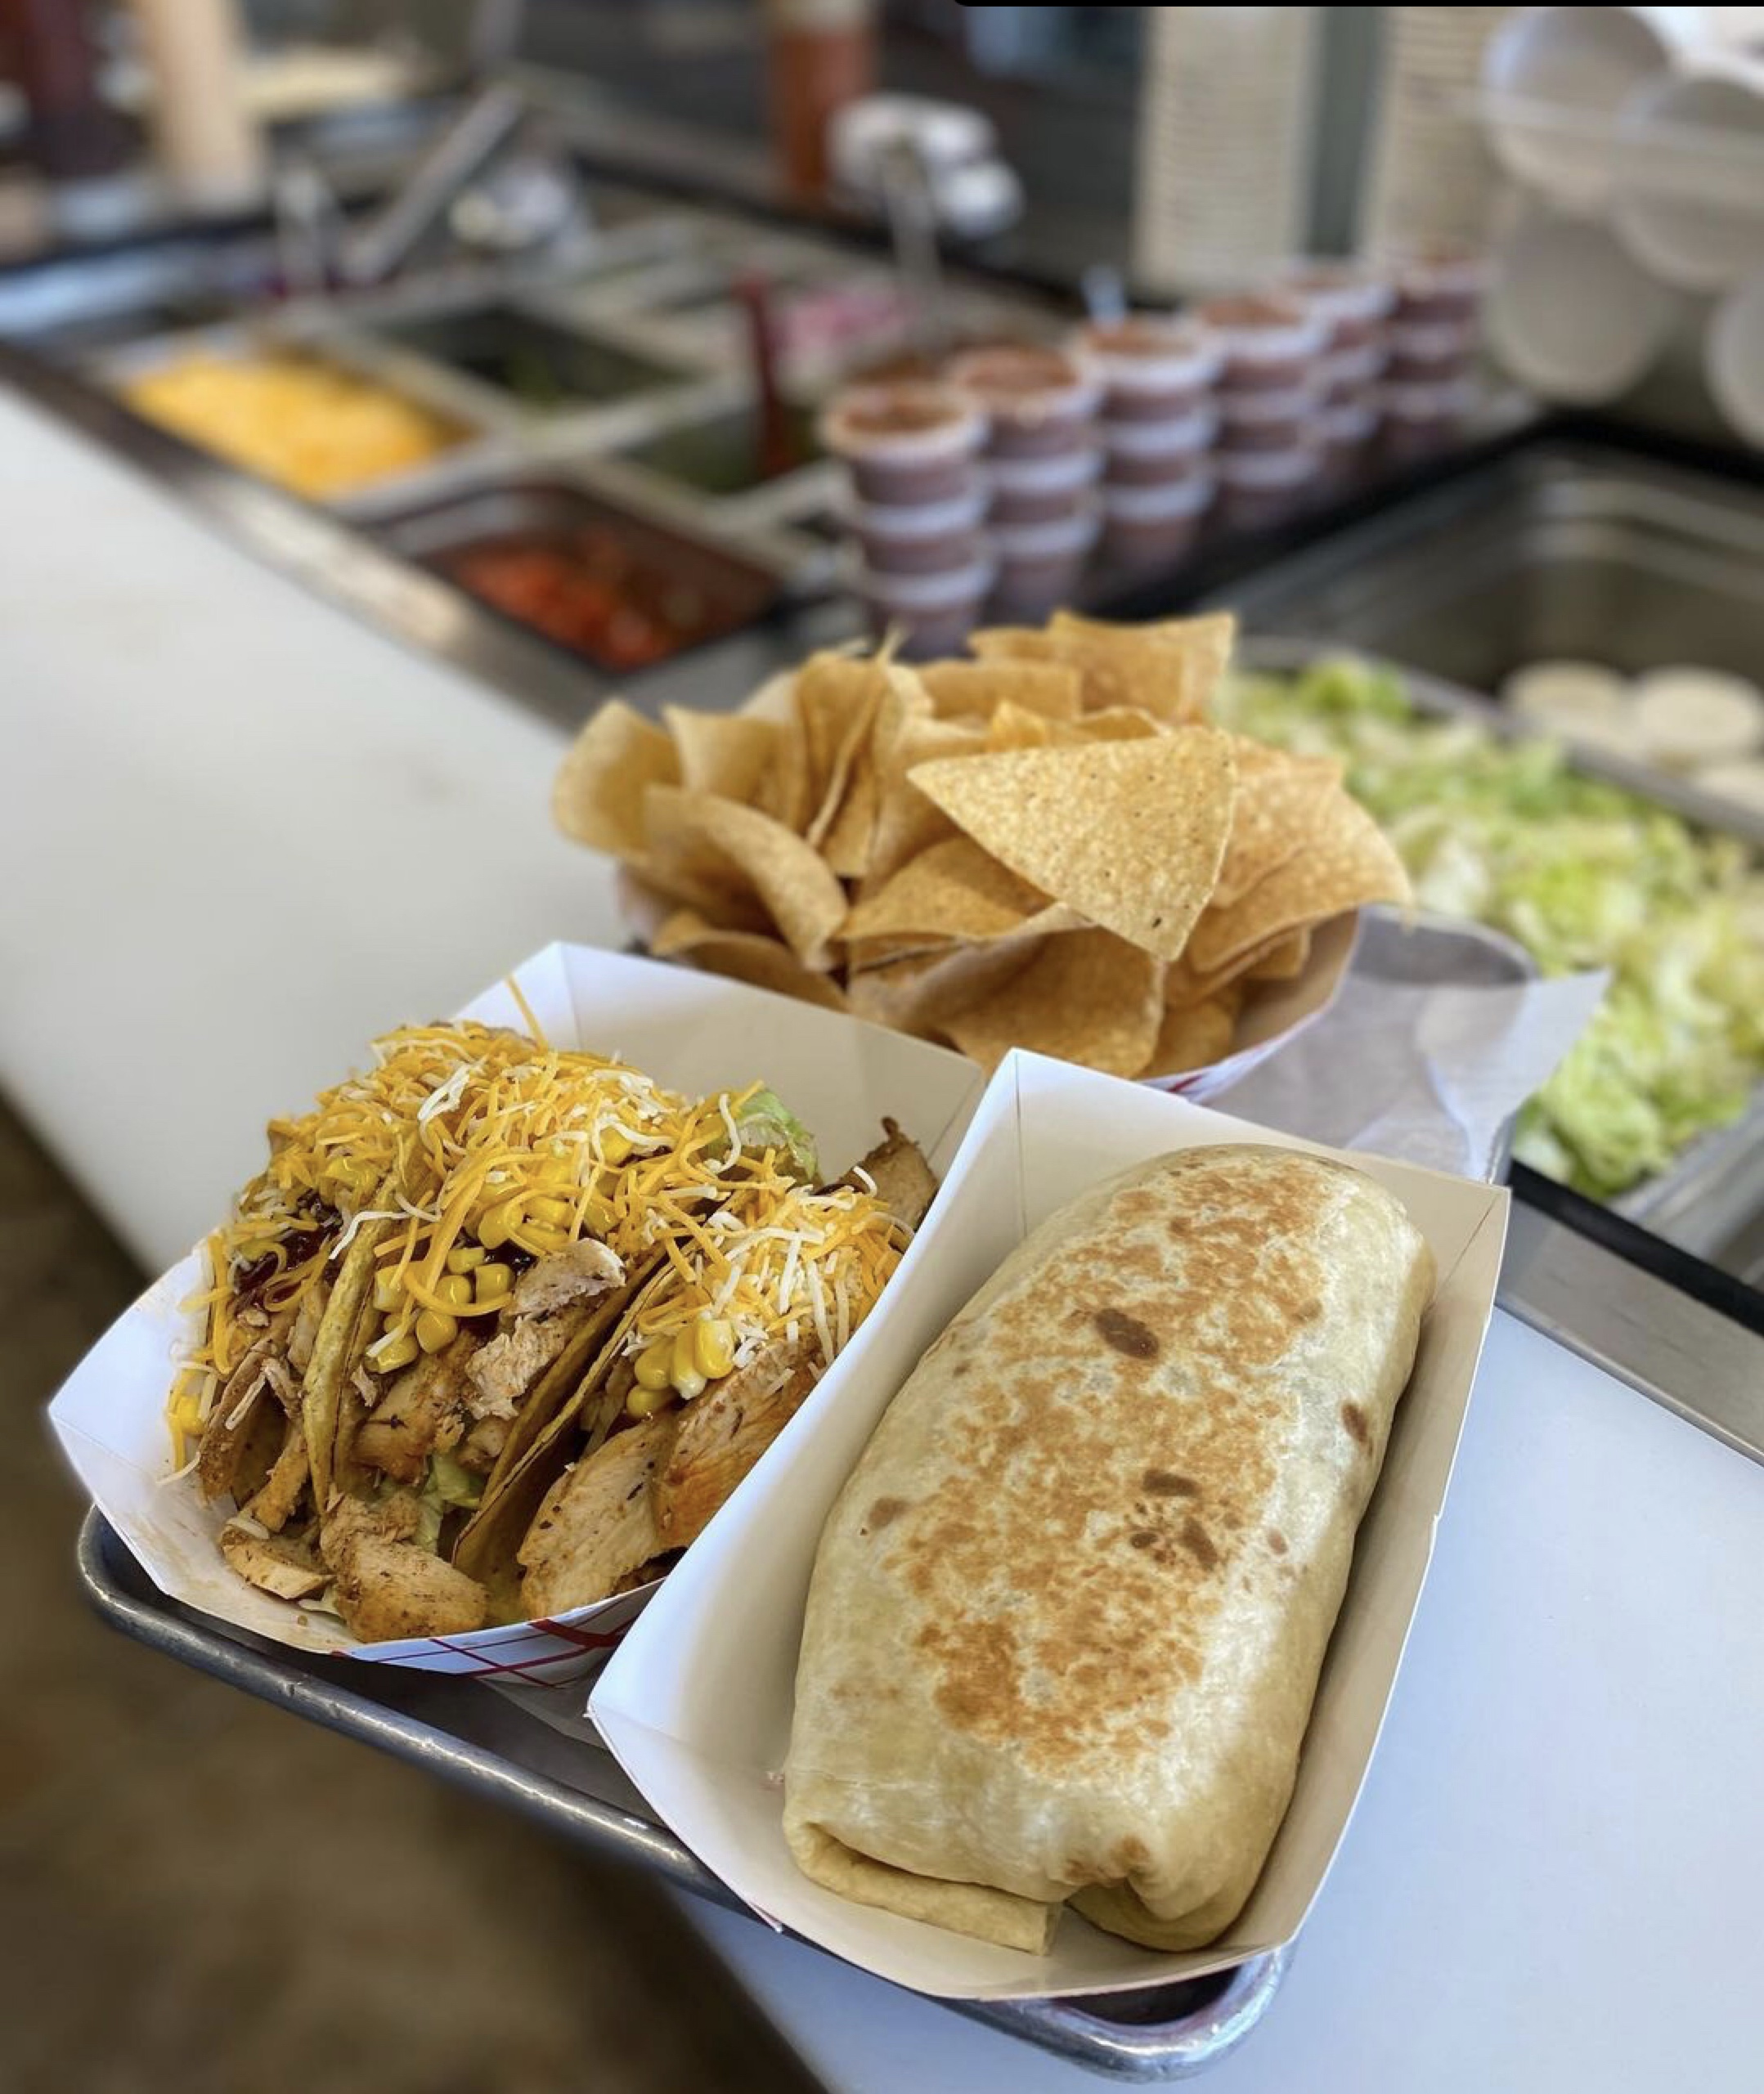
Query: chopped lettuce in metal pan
<point x="1583" y="874"/>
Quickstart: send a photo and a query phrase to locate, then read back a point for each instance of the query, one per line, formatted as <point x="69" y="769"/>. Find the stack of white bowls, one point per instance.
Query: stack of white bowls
<point x="1636" y="137"/>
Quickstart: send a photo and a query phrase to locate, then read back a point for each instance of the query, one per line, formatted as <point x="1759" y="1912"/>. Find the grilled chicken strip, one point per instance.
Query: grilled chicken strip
<point x="904" y="1180"/>
<point x="272" y="1563"/>
<point x="386" y="1586"/>
<point x="721" y="1437"/>
<point x="424" y="1409"/>
<point x="596" y="1524"/>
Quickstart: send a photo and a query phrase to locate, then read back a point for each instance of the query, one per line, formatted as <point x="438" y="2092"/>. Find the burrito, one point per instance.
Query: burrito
<point x="1068" y="1614"/>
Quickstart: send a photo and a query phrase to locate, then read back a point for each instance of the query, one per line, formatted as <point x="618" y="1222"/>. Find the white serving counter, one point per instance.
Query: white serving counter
<point x="238" y="833"/>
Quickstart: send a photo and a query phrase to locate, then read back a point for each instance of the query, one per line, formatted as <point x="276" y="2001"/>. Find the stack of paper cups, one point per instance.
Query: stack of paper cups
<point x="1158" y="428"/>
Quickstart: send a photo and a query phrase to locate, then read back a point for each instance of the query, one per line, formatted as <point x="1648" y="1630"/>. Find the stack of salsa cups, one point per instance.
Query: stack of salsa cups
<point x="917" y="506"/>
<point x="1270" y="399"/>
<point x="1432" y="337"/>
<point x="1158" y="428"/>
<point x="1041" y="464"/>
<point x="1355" y="302"/>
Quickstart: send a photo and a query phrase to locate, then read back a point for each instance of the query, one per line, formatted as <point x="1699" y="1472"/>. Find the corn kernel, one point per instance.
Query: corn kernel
<point x="596" y="1216"/>
<point x="466" y="1257"/>
<point x="499" y="1223"/>
<point x="454" y="1289"/>
<point x="543" y="1243"/>
<point x="713" y="1346"/>
<point x="654" y="1365"/>
<point x="614" y="1148"/>
<point x="388" y="1292"/>
<point x="433" y="1331"/>
<point x="683" y="1367"/>
<point x="392" y="1351"/>
<point x="552" y="1214"/>
<point x="645" y="1402"/>
<point x="493" y="1282"/>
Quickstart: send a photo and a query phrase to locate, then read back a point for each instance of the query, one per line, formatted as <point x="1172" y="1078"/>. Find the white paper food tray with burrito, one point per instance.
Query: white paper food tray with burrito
<point x="697" y="1704"/>
<point x="693" y="1033"/>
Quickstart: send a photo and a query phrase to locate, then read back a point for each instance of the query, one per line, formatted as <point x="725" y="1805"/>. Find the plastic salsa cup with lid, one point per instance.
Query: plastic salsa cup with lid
<point x="1268" y="337"/>
<point x="912" y="441"/>
<point x="1037" y="401"/>
<point x="1152" y="368"/>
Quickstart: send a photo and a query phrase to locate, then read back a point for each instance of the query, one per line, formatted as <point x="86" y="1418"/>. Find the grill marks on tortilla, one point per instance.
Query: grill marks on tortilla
<point x="1126" y="1334"/>
<point x="1040" y="1623"/>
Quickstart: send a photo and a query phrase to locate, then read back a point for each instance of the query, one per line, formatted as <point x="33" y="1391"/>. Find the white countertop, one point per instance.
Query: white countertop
<point x="238" y="833"/>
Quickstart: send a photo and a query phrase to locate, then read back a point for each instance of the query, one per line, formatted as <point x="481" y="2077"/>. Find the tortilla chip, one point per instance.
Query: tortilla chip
<point x="836" y="697"/>
<point x="1347" y="860"/>
<point x="1194" y="1035"/>
<point x="1280" y="801"/>
<point x="722" y="845"/>
<point x="344" y="1332"/>
<point x="743" y="956"/>
<point x="906" y="822"/>
<point x="1118" y="723"/>
<point x="726" y="753"/>
<point x="597" y="796"/>
<point x="1130" y="834"/>
<point x="847" y="845"/>
<point x="1088" y="997"/>
<point x="1170" y="670"/>
<point x="1283" y="961"/>
<point x="1010" y="727"/>
<point x="922" y="995"/>
<point x="1012" y="643"/>
<point x="979" y="689"/>
<point x="669" y="877"/>
<point x="954" y="890"/>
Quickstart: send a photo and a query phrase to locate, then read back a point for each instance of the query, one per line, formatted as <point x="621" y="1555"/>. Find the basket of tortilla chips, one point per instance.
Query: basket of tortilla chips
<point x="1045" y="846"/>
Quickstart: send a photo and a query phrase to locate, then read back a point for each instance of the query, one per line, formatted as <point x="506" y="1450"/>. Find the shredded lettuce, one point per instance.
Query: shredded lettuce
<point x="1583" y="874"/>
<point x="765" y="1122"/>
<point x="448" y="1482"/>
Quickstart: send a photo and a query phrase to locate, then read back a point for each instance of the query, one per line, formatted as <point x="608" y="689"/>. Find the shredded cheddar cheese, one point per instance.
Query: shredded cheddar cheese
<point x="464" y="1134"/>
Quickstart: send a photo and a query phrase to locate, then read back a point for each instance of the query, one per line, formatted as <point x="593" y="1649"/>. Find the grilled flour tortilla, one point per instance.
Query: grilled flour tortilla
<point x="1068" y="1613"/>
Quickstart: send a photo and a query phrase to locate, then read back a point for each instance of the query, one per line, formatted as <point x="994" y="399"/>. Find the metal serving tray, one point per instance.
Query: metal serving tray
<point x="486" y="1741"/>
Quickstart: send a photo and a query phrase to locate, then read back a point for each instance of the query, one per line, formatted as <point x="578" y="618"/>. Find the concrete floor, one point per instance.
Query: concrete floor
<point x="200" y="1893"/>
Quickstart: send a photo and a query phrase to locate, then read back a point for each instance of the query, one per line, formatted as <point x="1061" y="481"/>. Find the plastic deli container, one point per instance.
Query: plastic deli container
<point x="1347" y="374"/>
<point x="1268" y="421"/>
<point x="1439" y="283"/>
<point x="920" y="537"/>
<point x="1157" y="454"/>
<point x="1352" y="300"/>
<point x="1269" y="339"/>
<point x="1150" y="368"/>
<point x="1156" y="526"/>
<point x="1426" y="351"/>
<point x="910" y="443"/>
<point x="1419" y="419"/>
<point x="1350" y="426"/>
<point x="1039" y="564"/>
<point x="1039" y="402"/>
<point x="1042" y="490"/>
<point x="935" y="612"/>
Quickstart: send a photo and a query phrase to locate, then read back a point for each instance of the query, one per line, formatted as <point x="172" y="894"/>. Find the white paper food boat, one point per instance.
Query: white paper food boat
<point x="696" y="1702"/>
<point x="693" y="1032"/>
